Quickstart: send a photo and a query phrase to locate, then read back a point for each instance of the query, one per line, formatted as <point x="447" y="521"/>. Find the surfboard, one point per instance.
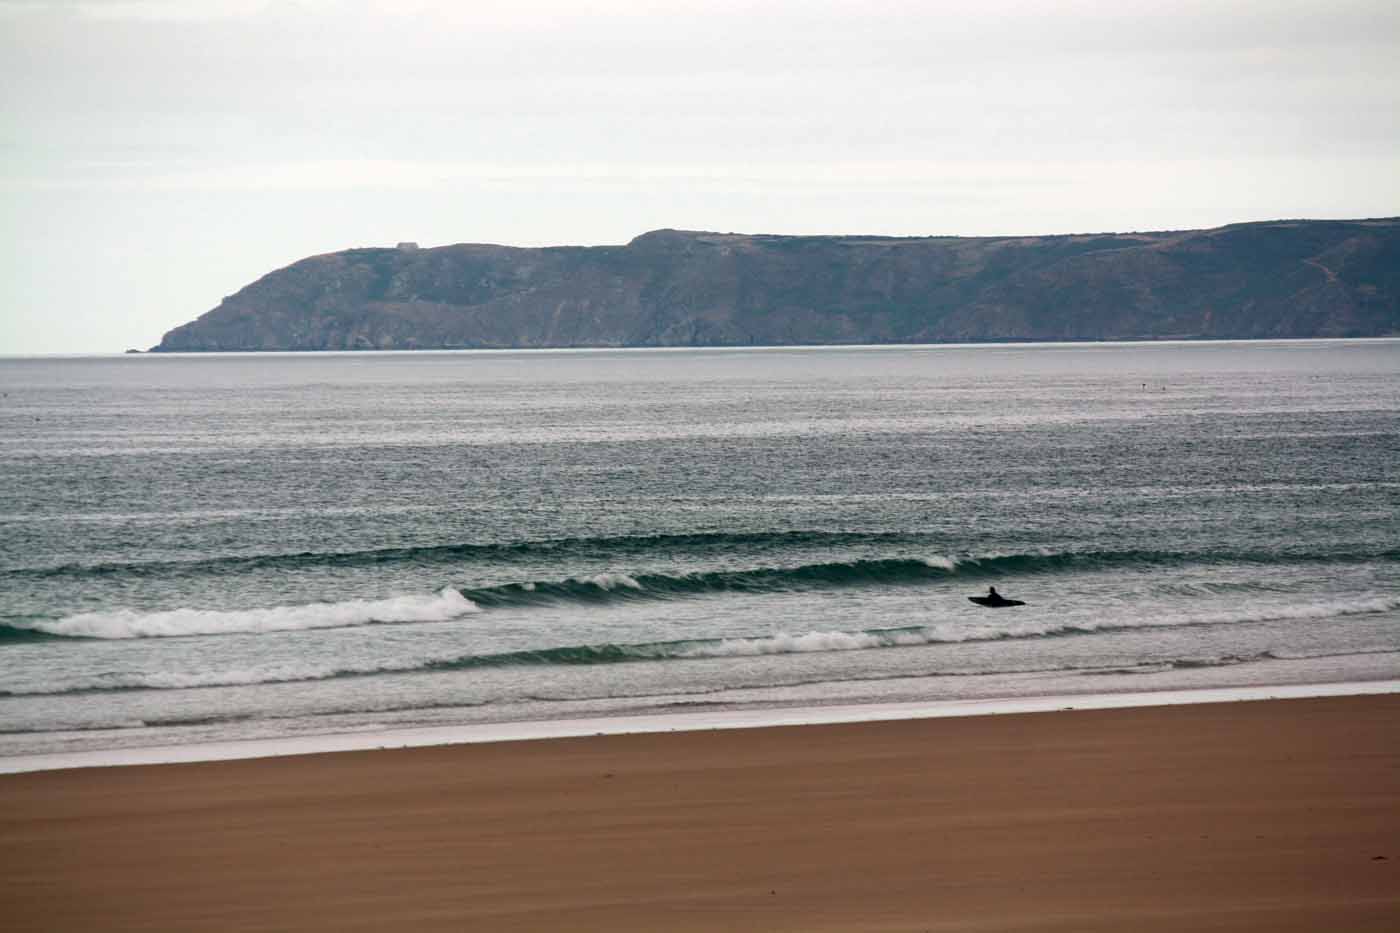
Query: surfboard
<point x="998" y="602"/>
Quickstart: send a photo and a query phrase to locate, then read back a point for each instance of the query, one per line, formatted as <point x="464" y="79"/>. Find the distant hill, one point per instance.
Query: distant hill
<point x="1297" y="278"/>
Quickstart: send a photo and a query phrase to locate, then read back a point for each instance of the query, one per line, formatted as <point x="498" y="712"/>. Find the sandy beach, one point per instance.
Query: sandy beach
<point x="1273" y="815"/>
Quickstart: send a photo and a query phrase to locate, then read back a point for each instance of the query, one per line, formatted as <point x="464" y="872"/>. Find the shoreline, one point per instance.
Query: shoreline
<point x="717" y="348"/>
<point x="1278" y="816"/>
<point x="672" y="722"/>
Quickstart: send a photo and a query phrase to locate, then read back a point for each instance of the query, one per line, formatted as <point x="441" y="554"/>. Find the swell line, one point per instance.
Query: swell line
<point x="466" y="553"/>
<point x="895" y="571"/>
<point x="451" y="603"/>
<point x="638" y="546"/>
<point x="610" y="587"/>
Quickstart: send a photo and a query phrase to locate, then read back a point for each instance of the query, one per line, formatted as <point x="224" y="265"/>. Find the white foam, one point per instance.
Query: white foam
<point x="939" y="562"/>
<point x="235" y="677"/>
<point x="1317" y="610"/>
<point x="671" y="722"/>
<point x="785" y="643"/>
<point x="127" y="623"/>
<point x="173" y="680"/>
<point x="812" y="642"/>
<point x="610" y="581"/>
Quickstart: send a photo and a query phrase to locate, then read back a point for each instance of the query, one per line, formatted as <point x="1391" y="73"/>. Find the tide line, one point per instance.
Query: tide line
<point x="668" y="722"/>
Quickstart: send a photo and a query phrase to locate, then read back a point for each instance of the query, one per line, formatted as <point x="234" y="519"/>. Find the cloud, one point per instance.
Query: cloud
<point x="383" y="174"/>
<point x="276" y="128"/>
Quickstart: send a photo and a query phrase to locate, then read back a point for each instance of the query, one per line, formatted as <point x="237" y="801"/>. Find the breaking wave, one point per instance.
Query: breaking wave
<point x="838" y="574"/>
<point x="780" y="643"/>
<point x="611" y="587"/>
<point x="127" y="623"/>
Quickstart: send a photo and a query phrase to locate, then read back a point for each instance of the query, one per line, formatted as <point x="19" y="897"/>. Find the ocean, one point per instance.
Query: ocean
<point x="209" y="548"/>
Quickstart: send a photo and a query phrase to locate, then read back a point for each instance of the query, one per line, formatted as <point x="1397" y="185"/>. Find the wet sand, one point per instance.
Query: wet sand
<point x="1275" y="815"/>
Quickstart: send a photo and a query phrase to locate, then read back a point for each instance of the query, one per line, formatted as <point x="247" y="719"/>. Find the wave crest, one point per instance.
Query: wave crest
<point x="610" y="587"/>
<point x="127" y="623"/>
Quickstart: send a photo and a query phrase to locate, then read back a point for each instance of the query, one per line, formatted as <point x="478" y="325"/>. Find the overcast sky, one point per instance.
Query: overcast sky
<point x="156" y="155"/>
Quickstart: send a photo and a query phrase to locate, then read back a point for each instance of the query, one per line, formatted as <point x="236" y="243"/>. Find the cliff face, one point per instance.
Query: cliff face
<point x="677" y="288"/>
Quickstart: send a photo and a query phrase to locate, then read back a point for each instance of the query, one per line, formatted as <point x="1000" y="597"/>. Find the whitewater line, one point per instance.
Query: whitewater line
<point x="670" y="722"/>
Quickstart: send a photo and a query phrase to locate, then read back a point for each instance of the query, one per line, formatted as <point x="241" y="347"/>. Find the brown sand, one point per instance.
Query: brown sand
<point x="1242" y="816"/>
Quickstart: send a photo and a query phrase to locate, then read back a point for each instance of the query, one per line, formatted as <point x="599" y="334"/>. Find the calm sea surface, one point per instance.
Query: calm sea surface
<point x="203" y="548"/>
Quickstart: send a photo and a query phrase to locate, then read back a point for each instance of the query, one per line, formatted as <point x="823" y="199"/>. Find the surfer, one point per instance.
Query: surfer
<point x="994" y="600"/>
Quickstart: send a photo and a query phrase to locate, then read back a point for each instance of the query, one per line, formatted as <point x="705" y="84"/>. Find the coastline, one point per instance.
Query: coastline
<point x="704" y="348"/>
<point x="1277" y="815"/>
<point x="765" y="718"/>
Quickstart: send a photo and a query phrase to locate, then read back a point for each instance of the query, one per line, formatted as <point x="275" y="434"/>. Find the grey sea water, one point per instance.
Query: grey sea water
<point x="201" y="548"/>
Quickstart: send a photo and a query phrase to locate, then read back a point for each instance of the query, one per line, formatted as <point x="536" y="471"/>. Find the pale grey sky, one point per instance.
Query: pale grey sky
<point x="156" y="155"/>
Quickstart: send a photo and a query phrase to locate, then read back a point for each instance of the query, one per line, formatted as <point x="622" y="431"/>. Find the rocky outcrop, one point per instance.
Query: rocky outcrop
<point x="679" y="288"/>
